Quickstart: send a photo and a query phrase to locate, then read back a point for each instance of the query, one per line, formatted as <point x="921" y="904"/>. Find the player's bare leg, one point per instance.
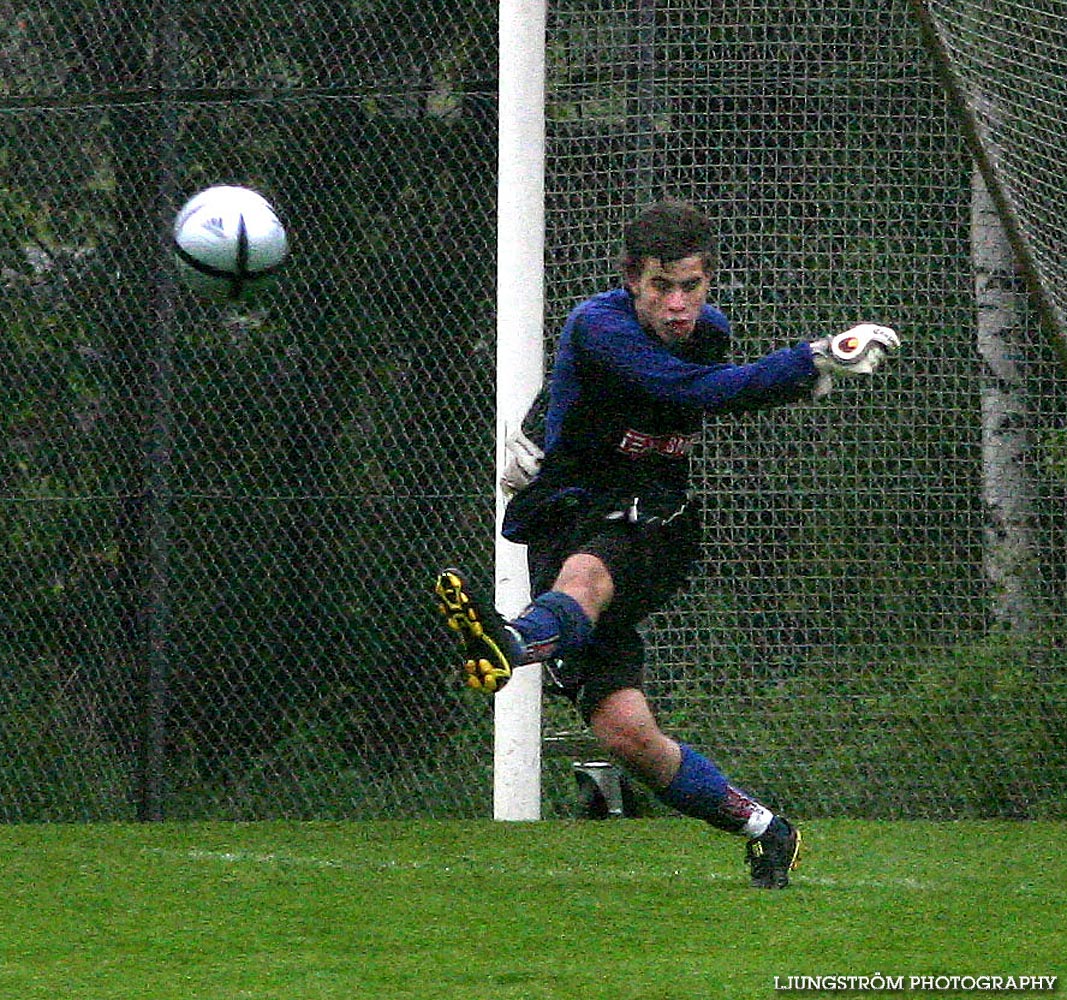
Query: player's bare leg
<point x="686" y="780"/>
<point x="585" y="578"/>
<point x="625" y="727"/>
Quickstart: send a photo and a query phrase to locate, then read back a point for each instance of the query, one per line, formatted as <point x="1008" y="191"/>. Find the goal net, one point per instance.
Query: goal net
<point x="1003" y="66"/>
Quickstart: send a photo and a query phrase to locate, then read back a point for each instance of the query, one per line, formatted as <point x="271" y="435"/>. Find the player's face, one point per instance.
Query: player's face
<point x="668" y="297"/>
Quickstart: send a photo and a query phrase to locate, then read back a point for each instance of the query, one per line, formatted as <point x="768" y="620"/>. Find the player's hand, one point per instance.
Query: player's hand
<point x="524" y="462"/>
<point x="858" y="351"/>
<point x="824" y="385"/>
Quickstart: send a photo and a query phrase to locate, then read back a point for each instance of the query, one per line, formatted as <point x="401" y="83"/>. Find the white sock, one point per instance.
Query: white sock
<point x="756" y="824"/>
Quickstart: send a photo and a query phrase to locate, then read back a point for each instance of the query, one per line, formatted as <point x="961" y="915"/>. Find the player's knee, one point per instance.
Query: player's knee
<point x="625" y="728"/>
<point x="588" y="581"/>
<point x="616" y="741"/>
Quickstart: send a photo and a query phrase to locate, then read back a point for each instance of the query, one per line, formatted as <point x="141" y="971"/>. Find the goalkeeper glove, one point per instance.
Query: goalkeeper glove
<point x="855" y="352"/>
<point x="523" y="464"/>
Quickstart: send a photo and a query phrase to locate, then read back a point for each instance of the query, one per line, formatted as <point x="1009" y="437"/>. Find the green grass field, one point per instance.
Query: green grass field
<point x="642" y="909"/>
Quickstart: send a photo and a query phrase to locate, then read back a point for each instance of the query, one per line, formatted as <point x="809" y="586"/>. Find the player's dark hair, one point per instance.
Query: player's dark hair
<point x="669" y="230"/>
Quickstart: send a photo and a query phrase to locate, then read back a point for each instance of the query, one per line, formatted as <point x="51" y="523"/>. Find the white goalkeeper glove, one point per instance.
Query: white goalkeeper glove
<point x="855" y="352"/>
<point x="523" y="464"/>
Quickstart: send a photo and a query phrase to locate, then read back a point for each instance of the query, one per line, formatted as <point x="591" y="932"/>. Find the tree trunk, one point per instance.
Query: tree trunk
<point x="1008" y="484"/>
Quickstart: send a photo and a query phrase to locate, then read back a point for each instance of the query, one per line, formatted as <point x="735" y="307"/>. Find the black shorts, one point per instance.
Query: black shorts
<point x="649" y="564"/>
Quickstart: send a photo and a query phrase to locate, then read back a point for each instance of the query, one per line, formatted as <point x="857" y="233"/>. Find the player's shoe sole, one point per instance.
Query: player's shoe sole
<point x="487" y="653"/>
<point x="773" y="855"/>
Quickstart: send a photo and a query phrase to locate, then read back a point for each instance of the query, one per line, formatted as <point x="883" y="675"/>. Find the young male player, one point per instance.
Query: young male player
<point x="606" y="516"/>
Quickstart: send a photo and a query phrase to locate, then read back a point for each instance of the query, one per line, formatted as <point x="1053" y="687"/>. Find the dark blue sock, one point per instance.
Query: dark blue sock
<point x="697" y="789"/>
<point x="553" y="625"/>
<point x="701" y="790"/>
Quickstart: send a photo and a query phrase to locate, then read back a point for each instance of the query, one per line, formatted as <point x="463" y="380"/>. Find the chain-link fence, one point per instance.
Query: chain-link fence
<point x="220" y="525"/>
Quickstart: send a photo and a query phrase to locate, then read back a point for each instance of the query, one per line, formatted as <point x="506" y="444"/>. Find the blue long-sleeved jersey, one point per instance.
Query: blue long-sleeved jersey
<point x="625" y="408"/>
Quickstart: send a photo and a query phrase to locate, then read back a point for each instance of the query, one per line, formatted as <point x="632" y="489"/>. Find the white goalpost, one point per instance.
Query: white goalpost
<point x="520" y="353"/>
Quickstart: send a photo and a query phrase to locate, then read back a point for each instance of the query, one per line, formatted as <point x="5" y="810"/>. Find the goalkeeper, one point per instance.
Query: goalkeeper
<point x="605" y="512"/>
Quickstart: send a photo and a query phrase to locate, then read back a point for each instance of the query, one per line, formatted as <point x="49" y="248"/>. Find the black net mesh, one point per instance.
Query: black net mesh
<point x="1003" y="65"/>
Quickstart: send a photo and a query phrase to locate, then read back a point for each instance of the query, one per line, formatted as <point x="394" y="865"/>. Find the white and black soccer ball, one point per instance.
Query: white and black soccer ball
<point x="228" y="241"/>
